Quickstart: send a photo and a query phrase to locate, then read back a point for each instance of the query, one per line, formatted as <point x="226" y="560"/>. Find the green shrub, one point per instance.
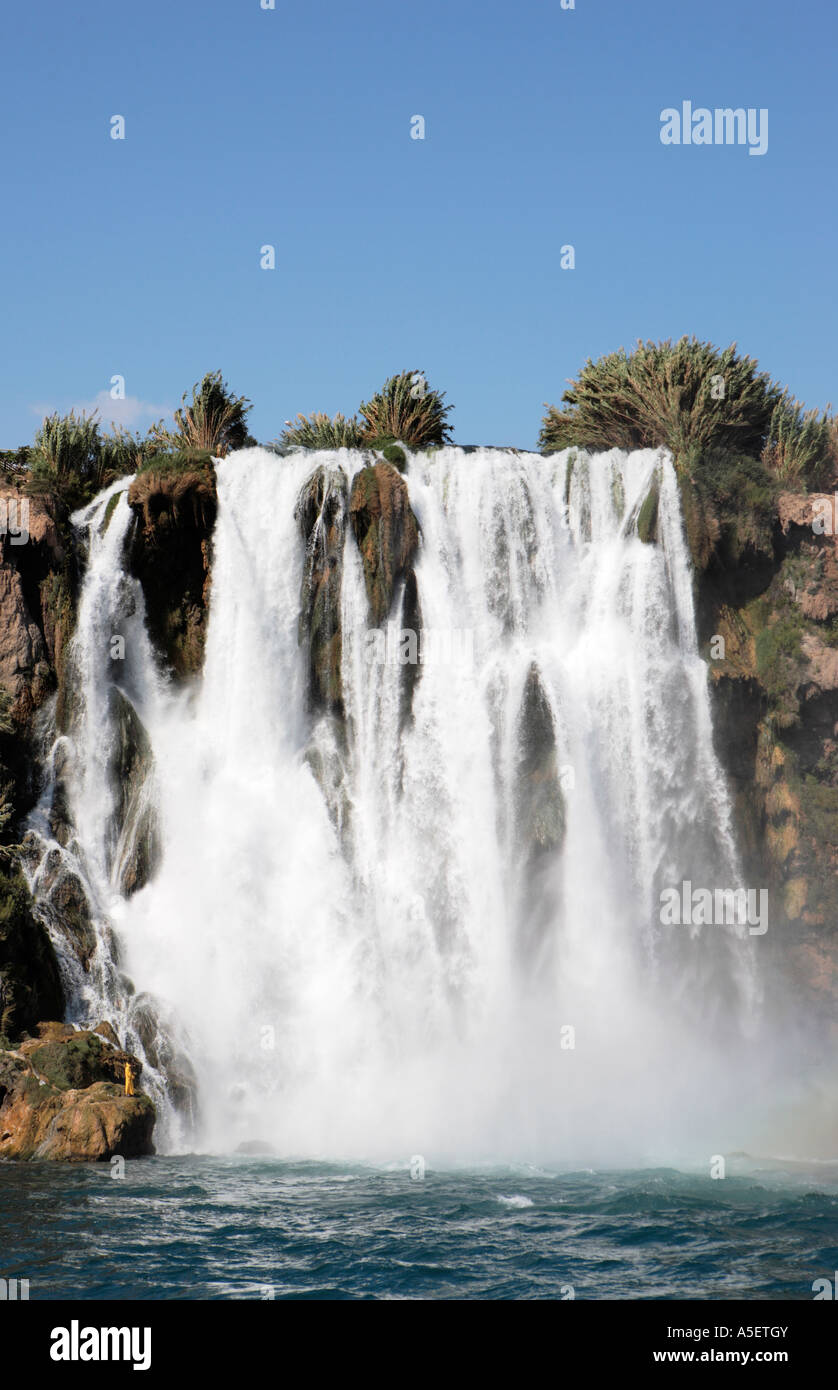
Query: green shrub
<point x="393" y="453"/>
<point x="214" y="420"/>
<point x="779" y="662"/>
<point x="665" y="394"/>
<point x="799" y="448"/>
<point x="732" y="481"/>
<point x="406" y="410"/>
<point x="123" y="453"/>
<point x="67" y="460"/>
<point x="319" y="431"/>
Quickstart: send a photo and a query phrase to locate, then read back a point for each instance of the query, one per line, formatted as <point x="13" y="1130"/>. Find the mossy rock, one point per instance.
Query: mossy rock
<point x="396" y="455"/>
<point x="177" y="461"/>
<point x="647" y="518"/>
<point x="321" y="517"/>
<point x="387" y="533"/>
<point x="109" y="511"/>
<point x="74" y="1064"/>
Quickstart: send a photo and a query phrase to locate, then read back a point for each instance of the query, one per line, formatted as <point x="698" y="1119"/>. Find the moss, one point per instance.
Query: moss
<point x="647" y="520"/>
<point x="109" y="511"/>
<point x="396" y="455"/>
<point x="568" y="477"/>
<point x="618" y="492"/>
<point x="177" y="461"/>
<point x="779" y="663"/>
<point x="74" y="1064"/>
<point x="819" y="805"/>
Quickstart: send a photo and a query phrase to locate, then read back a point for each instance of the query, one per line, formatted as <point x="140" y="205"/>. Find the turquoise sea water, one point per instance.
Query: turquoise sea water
<point x="200" y="1227"/>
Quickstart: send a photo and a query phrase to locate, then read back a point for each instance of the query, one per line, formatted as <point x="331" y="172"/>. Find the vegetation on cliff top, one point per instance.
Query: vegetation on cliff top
<point x="320" y="431"/>
<point x="214" y="420"/>
<point x="698" y="401"/>
<point x="406" y="409"/>
<point x="72" y="460"/>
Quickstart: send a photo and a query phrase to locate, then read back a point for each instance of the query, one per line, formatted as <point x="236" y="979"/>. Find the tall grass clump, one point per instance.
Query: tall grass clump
<point x="800" y="447"/>
<point x="406" y="409"/>
<point x="213" y="419"/>
<point x="683" y="395"/>
<point x="68" y="460"/>
<point x="702" y="403"/>
<point x="320" y="431"/>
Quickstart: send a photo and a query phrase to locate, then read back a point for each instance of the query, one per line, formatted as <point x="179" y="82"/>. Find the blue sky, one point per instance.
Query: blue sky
<point x="291" y="127"/>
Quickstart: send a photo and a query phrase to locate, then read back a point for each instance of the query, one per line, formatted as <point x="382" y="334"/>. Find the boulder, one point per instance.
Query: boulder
<point x="62" y="1098"/>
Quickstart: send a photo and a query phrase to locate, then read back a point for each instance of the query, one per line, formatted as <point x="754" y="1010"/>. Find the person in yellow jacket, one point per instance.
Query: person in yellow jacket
<point x="129" y="1079"/>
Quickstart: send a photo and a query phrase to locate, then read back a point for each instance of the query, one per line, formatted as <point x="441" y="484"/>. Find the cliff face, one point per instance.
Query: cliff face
<point x="321" y="517"/>
<point x="171" y="555"/>
<point x="36" y="604"/>
<point x="36" y="620"/>
<point x="767" y="586"/>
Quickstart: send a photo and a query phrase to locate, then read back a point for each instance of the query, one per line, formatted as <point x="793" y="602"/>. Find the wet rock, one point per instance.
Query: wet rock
<point x="131" y="770"/>
<point x="63" y="900"/>
<point x="321" y="516"/>
<point x="107" y="1031"/>
<point x="170" y="554"/>
<point x="22" y="645"/>
<point x="59" y="1100"/>
<point x="158" y="1036"/>
<point x="387" y="533"/>
<point x="647" y="517"/>
<point x="30" y="983"/>
<point x="540" y="808"/>
<point x="78" y="1060"/>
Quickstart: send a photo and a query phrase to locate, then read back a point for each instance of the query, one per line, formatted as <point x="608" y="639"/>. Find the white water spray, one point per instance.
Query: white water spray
<point x="464" y="961"/>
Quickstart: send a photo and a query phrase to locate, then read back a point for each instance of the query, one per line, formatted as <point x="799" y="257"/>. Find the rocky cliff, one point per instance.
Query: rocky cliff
<point x="171" y="555"/>
<point x="767" y="590"/>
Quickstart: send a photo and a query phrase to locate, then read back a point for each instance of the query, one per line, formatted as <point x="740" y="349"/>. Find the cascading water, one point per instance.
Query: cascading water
<point x="431" y="928"/>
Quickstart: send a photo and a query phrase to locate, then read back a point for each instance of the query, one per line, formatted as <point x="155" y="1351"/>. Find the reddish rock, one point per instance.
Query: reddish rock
<point x="42" y="1117"/>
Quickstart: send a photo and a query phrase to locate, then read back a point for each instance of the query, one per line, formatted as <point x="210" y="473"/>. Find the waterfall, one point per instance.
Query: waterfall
<point x="432" y="925"/>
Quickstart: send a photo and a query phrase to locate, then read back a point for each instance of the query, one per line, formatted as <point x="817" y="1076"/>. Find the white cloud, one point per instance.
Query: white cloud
<point x="130" y="411"/>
